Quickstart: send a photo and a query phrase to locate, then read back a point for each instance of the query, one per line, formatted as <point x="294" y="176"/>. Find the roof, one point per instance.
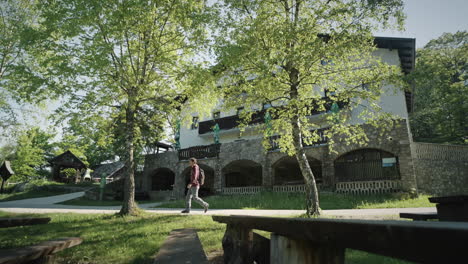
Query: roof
<point x="69" y="160"/>
<point x="109" y="170"/>
<point x="5" y="170"/>
<point x="406" y="50"/>
<point x="163" y="145"/>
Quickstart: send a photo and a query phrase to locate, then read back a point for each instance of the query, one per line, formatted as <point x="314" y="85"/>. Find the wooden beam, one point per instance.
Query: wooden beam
<point x="298" y="251"/>
<point x="40" y="253"/>
<point x="428" y="242"/>
<point x="23" y="221"/>
<point x="238" y="245"/>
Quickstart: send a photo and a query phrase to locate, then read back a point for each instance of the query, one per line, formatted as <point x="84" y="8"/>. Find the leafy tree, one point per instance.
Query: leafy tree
<point x="28" y="159"/>
<point x="128" y="62"/>
<point x="440" y="88"/>
<point x="287" y="52"/>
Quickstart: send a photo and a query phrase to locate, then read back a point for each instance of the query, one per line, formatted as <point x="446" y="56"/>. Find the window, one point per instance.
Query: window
<point x="267" y="105"/>
<point x="328" y="92"/>
<point x="239" y="110"/>
<point x="216" y="115"/>
<point x="326" y="62"/>
<point x="194" y="122"/>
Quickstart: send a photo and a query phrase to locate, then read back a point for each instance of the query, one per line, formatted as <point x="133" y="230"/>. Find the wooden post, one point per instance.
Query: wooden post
<point x="292" y="251"/>
<point x="77" y="175"/>
<point x="3" y="183"/>
<point x="238" y="245"/>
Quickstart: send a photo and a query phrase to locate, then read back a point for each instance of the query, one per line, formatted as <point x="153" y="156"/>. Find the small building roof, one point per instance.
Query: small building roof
<point x="5" y="170"/>
<point x="110" y="169"/>
<point x="69" y="160"/>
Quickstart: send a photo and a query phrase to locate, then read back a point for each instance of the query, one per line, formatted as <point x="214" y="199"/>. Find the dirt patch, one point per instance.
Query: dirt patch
<point x="215" y="257"/>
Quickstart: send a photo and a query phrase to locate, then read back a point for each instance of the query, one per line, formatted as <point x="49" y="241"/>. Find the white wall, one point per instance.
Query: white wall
<point x="392" y="101"/>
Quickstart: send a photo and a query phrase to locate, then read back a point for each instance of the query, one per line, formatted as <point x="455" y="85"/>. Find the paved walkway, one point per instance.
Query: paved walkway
<point x="48" y="205"/>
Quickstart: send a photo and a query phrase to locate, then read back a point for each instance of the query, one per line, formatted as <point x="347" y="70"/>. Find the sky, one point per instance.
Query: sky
<point x="429" y="19"/>
<point x="426" y="20"/>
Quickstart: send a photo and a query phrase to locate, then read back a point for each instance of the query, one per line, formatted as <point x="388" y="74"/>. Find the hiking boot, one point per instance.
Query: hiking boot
<point x="185" y="211"/>
<point x="206" y="207"/>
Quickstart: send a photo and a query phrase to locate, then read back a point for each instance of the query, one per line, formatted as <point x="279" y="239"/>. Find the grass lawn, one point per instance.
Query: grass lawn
<point x="87" y="202"/>
<point x="114" y="239"/>
<point x="43" y="188"/>
<point x="328" y="201"/>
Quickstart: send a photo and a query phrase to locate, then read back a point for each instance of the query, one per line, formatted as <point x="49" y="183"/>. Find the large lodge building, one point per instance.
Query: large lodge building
<point x="240" y="165"/>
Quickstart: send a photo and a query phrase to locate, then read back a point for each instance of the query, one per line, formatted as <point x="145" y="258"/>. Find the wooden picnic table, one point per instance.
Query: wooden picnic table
<point x="299" y="240"/>
<point x="40" y="253"/>
<point x="22" y="221"/>
<point x="451" y="208"/>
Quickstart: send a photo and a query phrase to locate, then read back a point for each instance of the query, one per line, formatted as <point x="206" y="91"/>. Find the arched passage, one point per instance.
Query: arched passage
<point x="287" y="171"/>
<point x="162" y="179"/>
<point x="241" y="173"/>
<point x="367" y="165"/>
<point x="208" y="187"/>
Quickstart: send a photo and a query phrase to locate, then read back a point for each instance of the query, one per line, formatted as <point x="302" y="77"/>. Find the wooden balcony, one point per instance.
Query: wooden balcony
<point x="200" y="152"/>
<point x="230" y="122"/>
<point x="323" y="140"/>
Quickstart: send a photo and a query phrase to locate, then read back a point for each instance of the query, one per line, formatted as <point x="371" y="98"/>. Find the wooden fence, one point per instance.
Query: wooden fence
<point x="368" y="187"/>
<point x="255" y="189"/>
<point x="242" y="190"/>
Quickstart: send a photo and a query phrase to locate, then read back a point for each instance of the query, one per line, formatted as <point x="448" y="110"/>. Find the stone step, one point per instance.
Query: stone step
<point x="181" y="246"/>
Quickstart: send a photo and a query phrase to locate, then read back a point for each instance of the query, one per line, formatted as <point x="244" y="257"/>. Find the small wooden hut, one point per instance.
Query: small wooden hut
<point x="5" y="173"/>
<point x="66" y="160"/>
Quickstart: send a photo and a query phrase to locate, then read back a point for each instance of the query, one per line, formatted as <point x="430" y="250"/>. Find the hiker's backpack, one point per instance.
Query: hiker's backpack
<point x="201" y="176"/>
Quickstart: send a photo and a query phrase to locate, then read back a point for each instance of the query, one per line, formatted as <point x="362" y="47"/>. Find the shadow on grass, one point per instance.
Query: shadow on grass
<point x="30" y="194"/>
<point x="112" y="238"/>
<point x="328" y="201"/>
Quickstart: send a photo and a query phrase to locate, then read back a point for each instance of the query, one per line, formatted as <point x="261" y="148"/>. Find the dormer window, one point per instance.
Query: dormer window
<point x="328" y="93"/>
<point x="266" y="106"/>
<point x="216" y="115"/>
<point x="194" y="123"/>
<point x="325" y="62"/>
<point x="365" y="86"/>
<point x="239" y="110"/>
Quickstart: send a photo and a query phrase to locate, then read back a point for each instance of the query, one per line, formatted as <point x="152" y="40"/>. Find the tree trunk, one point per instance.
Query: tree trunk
<point x="1" y="188"/>
<point x="312" y="199"/>
<point x="129" y="207"/>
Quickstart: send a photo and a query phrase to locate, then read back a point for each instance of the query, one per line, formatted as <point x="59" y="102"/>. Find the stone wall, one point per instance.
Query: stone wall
<point x="397" y="142"/>
<point x="441" y="169"/>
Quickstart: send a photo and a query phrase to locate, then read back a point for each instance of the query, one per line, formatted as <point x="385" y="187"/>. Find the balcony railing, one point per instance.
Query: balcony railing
<point x="321" y="132"/>
<point x="200" y="152"/>
<point x="230" y="122"/>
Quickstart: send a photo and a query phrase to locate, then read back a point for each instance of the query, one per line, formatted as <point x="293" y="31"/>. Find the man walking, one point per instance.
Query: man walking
<point x="193" y="187"/>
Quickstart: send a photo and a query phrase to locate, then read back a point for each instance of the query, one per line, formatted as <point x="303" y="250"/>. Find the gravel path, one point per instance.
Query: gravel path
<point x="48" y="205"/>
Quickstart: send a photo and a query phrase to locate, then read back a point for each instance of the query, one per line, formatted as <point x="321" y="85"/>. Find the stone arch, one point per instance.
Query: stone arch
<point x="286" y="171"/>
<point x="366" y="164"/>
<point x="162" y="179"/>
<point x="206" y="189"/>
<point x="241" y="173"/>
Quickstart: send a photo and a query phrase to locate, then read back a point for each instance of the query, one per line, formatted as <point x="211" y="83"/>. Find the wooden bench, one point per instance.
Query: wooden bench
<point x="299" y="240"/>
<point x="22" y="221"/>
<point x="419" y="216"/>
<point x="40" y="253"/>
<point x="181" y="246"/>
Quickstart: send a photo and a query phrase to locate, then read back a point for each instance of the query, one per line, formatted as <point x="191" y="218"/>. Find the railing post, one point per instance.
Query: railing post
<point x="238" y="245"/>
<point x="293" y="251"/>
